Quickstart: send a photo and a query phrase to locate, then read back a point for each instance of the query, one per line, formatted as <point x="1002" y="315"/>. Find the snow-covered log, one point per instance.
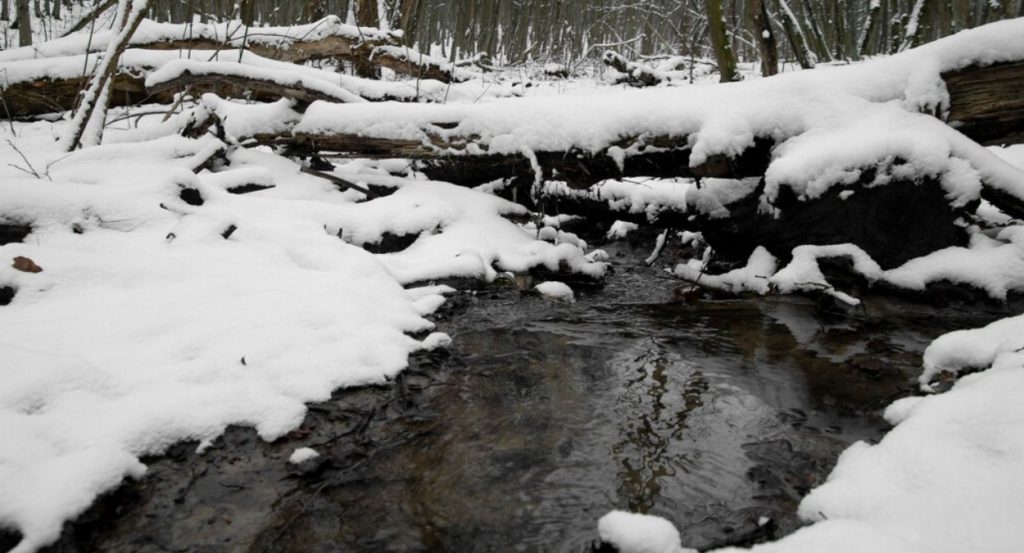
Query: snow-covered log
<point x="235" y="80"/>
<point x="327" y="38"/>
<point x="461" y="161"/>
<point x="415" y="64"/>
<point x="635" y="74"/>
<point x="892" y="223"/>
<point x="986" y="103"/>
<point x="47" y="95"/>
<point x="35" y="87"/>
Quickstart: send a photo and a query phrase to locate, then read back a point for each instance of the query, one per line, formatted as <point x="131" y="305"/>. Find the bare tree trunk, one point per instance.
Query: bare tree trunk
<point x="248" y="13"/>
<point x="919" y="24"/>
<point x="407" y="19"/>
<point x="131" y="13"/>
<point x="5" y="10"/>
<point x="765" y="38"/>
<point x="720" y="42"/>
<point x="874" y="16"/>
<point x="366" y="16"/>
<point x="24" y="23"/>
<point x="96" y="12"/>
<point x="795" y="35"/>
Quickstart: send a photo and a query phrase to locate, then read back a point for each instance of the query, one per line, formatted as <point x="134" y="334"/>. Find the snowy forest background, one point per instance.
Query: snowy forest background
<point x="566" y="32"/>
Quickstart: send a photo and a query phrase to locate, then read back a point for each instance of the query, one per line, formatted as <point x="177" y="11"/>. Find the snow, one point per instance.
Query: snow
<point x="177" y="68"/>
<point x="636" y="533"/>
<point x="621" y="229"/>
<point x="828" y="125"/>
<point x="147" y="327"/>
<point x="944" y="480"/>
<point x="972" y="349"/>
<point x="232" y="33"/>
<point x="419" y="58"/>
<point x="558" y="291"/>
<point x="993" y="265"/>
<point x="302" y="454"/>
<point x="150" y="323"/>
<point x="754" y="277"/>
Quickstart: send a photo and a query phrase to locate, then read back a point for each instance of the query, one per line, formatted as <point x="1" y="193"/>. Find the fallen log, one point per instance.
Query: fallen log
<point x="466" y="157"/>
<point x="892" y="223"/>
<point x="250" y="87"/>
<point x="418" y="65"/>
<point x="447" y="160"/>
<point x="328" y="38"/>
<point x="634" y="74"/>
<point x="40" y="96"/>
<point x="582" y="169"/>
<point x="986" y="103"/>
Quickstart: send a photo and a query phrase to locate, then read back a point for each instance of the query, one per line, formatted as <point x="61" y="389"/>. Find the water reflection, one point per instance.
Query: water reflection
<point x="543" y="418"/>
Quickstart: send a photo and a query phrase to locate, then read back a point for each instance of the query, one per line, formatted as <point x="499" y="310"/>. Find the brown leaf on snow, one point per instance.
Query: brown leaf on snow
<point x="26" y="265"/>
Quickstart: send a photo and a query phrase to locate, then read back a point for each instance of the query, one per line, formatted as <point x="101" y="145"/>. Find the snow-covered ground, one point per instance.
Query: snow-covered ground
<point x="155" y="320"/>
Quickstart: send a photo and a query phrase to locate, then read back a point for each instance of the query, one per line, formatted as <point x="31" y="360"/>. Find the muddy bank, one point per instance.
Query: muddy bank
<point x="542" y="418"/>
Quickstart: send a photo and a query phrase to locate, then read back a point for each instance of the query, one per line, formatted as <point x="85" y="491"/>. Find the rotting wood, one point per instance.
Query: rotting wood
<point x="31" y="98"/>
<point x="242" y="87"/>
<point x="414" y="64"/>
<point x="987" y="103"/>
<point x="868" y="219"/>
<point x="447" y="160"/>
<point x="918" y="213"/>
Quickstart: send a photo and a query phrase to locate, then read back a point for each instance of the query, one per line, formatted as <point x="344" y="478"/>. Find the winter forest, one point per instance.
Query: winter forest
<point x="636" y="276"/>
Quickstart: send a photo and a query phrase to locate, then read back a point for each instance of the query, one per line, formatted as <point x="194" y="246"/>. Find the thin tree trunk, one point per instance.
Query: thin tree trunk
<point x="795" y="35"/>
<point x="819" y="37"/>
<point x="874" y="16"/>
<point x="96" y="12"/>
<point x="132" y="14"/>
<point x="24" y="23"/>
<point x="765" y="38"/>
<point x="919" y="24"/>
<point x="720" y="42"/>
<point x="248" y="14"/>
<point x="366" y="16"/>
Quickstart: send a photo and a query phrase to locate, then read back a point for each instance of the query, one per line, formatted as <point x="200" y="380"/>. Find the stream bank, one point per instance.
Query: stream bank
<point x="541" y="418"/>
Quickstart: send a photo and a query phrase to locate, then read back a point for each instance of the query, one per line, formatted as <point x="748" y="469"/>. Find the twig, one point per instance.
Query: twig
<point x="10" y="120"/>
<point x="339" y="182"/>
<point x="31" y="170"/>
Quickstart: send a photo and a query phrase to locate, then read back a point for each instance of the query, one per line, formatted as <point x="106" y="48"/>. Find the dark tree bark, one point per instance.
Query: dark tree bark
<point x="367" y="16"/>
<point x="795" y="36"/>
<point x="765" y="37"/>
<point x="871" y="22"/>
<point x="94" y="98"/>
<point x="720" y="42"/>
<point x="24" y="23"/>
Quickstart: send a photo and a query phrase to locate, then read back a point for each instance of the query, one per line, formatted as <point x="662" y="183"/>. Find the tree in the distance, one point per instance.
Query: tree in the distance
<point x="720" y="42"/>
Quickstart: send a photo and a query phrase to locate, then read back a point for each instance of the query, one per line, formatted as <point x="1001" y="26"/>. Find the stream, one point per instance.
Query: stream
<point x="543" y="417"/>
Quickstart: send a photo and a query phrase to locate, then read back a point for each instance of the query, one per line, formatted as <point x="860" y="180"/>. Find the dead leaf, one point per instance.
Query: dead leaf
<point x="26" y="265"/>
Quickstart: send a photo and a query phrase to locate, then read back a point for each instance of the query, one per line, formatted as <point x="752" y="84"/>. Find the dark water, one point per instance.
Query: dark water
<point x="542" y="418"/>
